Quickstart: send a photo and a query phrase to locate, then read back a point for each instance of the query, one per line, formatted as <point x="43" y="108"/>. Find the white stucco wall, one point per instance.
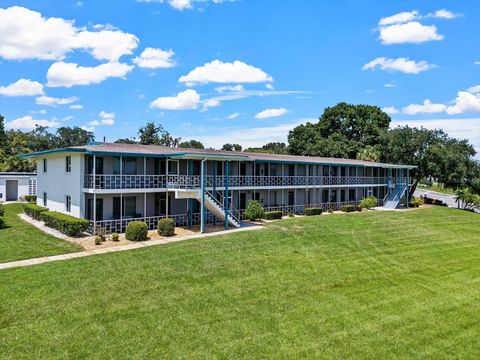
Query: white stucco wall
<point x="22" y="181"/>
<point x="57" y="183"/>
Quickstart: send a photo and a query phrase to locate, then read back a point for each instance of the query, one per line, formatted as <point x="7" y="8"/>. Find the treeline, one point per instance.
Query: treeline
<point x="343" y="131"/>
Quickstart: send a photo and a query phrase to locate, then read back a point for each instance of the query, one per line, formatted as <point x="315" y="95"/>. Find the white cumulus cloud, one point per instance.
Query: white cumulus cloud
<point x="104" y="118"/>
<point x="184" y="4"/>
<point x="268" y="113"/>
<point x="233" y="88"/>
<point x="27" y="34"/>
<point x="155" y="58"/>
<point x="400" y="64"/>
<point x="76" y="107"/>
<point x="390" y="110"/>
<point x="443" y="14"/>
<point x="70" y="74"/>
<point x="22" y="87"/>
<point x="426" y="108"/>
<point x="401" y="17"/>
<point x="225" y="72"/>
<point x="52" y="101"/>
<point x="28" y="123"/>
<point x="185" y="100"/>
<point x="466" y="102"/>
<point x="410" y="32"/>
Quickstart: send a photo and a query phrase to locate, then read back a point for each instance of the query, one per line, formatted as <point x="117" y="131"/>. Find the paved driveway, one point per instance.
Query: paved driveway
<point x="447" y="199"/>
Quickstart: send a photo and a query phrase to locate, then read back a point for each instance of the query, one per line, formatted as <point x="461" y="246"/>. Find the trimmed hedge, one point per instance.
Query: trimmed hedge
<point x="369" y="202"/>
<point x="272" y="215"/>
<point x="254" y="211"/>
<point x="312" y="211"/>
<point x="347" y="208"/>
<point x="166" y="227"/>
<point x="66" y="224"/>
<point x="136" y="231"/>
<point x="34" y="211"/>
<point x="30" y="198"/>
<point x="115" y="237"/>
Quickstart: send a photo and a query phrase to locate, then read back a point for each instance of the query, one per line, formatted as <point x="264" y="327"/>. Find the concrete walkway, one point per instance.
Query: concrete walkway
<point x="46" y="259"/>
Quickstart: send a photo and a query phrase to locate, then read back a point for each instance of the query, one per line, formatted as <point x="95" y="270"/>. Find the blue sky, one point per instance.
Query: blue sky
<point x="237" y="71"/>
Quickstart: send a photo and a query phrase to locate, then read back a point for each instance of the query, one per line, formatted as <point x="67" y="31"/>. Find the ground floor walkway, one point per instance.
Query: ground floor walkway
<point x="137" y="245"/>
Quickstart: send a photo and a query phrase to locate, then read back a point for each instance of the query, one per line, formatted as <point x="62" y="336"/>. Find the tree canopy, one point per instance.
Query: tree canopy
<point x="232" y="147"/>
<point x="192" y="144"/>
<point x="342" y="131"/>
<point x="152" y="134"/>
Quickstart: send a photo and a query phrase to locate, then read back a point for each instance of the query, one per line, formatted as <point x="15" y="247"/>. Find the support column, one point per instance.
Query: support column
<point x="215" y="185"/>
<point x="408" y="188"/>
<point x="226" y="195"/>
<point x="121" y="193"/>
<point x="94" y="195"/>
<point x="190" y="201"/>
<point x="202" y="213"/>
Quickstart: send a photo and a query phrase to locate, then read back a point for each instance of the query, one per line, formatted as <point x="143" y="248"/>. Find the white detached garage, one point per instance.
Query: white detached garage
<point x="14" y="185"/>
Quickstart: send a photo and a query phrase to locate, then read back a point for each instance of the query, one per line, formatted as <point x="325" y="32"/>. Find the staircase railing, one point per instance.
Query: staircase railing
<point x="231" y="211"/>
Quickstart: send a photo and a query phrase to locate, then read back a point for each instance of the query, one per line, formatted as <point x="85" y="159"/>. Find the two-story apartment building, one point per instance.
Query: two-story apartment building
<point x="112" y="184"/>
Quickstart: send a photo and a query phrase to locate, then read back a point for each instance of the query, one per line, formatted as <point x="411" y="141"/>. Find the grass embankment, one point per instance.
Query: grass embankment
<point x="20" y="240"/>
<point x="372" y="285"/>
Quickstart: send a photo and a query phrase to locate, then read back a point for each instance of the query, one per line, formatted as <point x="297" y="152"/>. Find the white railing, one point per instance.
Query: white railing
<point x="119" y="225"/>
<point x="111" y="182"/>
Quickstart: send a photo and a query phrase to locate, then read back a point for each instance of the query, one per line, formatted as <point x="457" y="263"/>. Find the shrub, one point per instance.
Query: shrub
<point x="415" y="202"/>
<point x="272" y="215"/>
<point x="98" y="240"/>
<point x="2" y="222"/>
<point x="30" y="198"/>
<point x="2" y="210"/>
<point x="312" y="211"/>
<point x="291" y="214"/>
<point x="358" y="208"/>
<point x="115" y="237"/>
<point x="136" y="231"/>
<point x="34" y="211"/>
<point x="166" y="227"/>
<point x="254" y="211"/>
<point x="66" y="224"/>
<point x="368" y="202"/>
<point x="347" y="208"/>
<point x="330" y="211"/>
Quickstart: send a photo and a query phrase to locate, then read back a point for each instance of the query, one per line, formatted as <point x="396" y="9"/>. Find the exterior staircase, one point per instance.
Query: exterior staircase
<point x="394" y="195"/>
<point x="212" y="204"/>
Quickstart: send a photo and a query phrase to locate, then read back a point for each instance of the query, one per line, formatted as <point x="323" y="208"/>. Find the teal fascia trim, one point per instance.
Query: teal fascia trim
<point x="46" y="152"/>
<point x="226" y="195"/>
<point x="127" y="154"/>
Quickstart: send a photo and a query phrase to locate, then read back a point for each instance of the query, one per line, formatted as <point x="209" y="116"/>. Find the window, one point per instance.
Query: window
<point x="116" y="165"/>
<point x="44" y="199"/>
<point x="44" y="165"/>
<point x="130" y="206"/>
<point x="68" y="164"/>
<point x="130" y="167"/>
<point x="68" y="203"/>
<point x="32" y="187"/>
<point x="173" y="167"/>
<point x="351" y="195"/>
<point x="325" y="195"/>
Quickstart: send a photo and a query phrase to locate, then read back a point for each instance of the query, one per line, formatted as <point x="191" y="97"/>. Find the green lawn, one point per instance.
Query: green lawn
<point x="20" y="240"/>
<point x="373" y="285"/>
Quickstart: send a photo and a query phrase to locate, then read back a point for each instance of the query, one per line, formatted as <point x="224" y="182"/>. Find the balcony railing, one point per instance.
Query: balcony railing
<point x="119" y="225"/>
<point x="111" y="182"/>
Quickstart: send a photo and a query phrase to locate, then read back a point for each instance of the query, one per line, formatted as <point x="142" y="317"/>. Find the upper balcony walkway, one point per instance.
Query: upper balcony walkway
<point x="118" y="182"/>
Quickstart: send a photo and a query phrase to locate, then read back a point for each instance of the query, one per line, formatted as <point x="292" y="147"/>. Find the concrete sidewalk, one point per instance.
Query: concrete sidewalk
<point x="46" y="259"/>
